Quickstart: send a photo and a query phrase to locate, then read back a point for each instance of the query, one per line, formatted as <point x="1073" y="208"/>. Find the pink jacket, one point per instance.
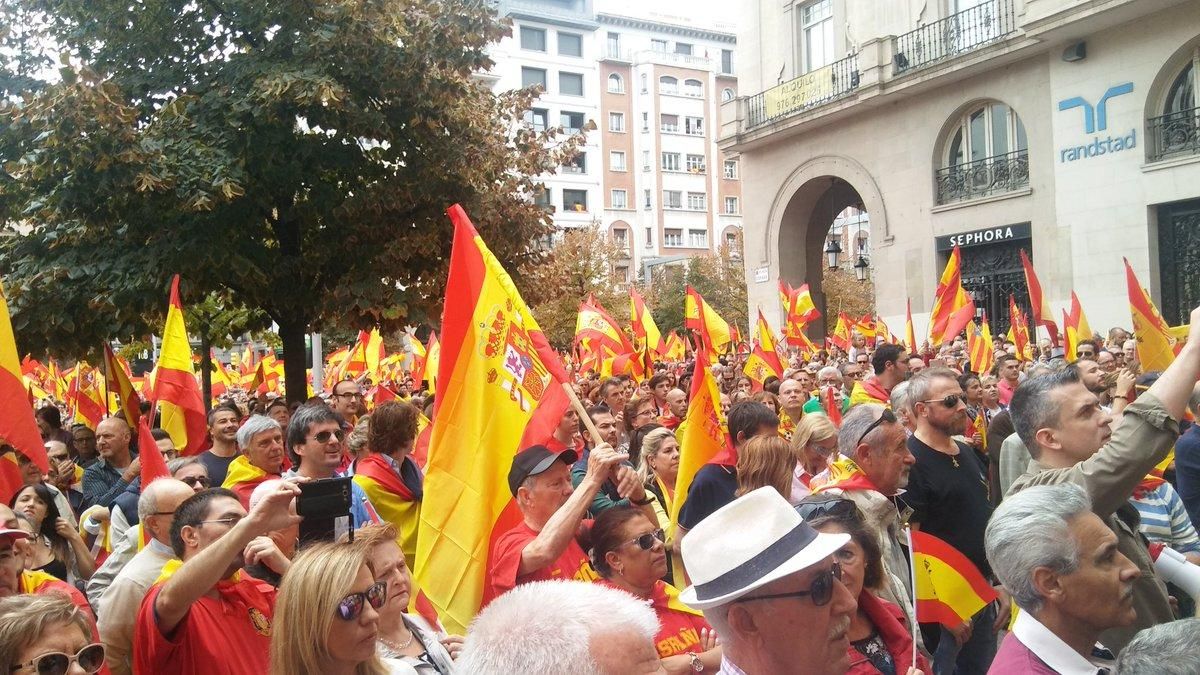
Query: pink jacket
<point x="888" y="619"/>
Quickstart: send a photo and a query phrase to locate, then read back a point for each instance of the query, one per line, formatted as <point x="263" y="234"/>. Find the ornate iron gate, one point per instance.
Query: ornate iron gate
<point x="990" y="274"/>
<point x="1179" y="259"/>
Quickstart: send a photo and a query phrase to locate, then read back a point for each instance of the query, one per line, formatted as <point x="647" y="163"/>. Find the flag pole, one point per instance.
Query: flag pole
<point x="912" y="571"/>
<point x="582" y="412"/>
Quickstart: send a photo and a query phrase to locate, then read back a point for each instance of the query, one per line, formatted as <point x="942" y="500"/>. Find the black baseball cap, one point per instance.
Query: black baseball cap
<point x="534" y="460"/>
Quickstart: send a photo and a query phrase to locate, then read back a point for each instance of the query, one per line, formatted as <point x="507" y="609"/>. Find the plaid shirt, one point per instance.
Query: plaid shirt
<point x="102" y="483"/>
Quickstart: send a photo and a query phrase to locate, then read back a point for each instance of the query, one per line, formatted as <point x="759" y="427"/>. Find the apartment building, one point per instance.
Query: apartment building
<point x="651" y="175"/>
<point x="1067" y="129"/>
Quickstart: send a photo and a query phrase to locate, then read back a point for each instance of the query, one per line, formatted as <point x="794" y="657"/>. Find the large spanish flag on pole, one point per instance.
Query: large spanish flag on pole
<point x="644" y="329"/>
<point x="699" y="316"/>
<point x="17" y="426"/>
<point x="501" y="390"/>
<point x="1154" y="348"/>
<point x="176" y="391"/>
<point x="131" y="403"/>
<point x="1038" y="307"/>
<point x="764" y="359"/>
<point x="952" y="305"/>
<point x="702" y="436"/>
<point x="949" y="588"/>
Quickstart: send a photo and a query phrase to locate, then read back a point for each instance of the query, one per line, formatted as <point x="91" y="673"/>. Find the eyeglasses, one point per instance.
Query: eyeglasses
<point x="193" y="481"/>
<point x="90" y="659"/>
<point x="646" y="541"/>
<point x="230" y="521"/>
<point x="1083" y="352"/>
<point x="887" y="416"/>
<point x="351" y="606"/>
<point x="644" y="413"/>
<point x="950" y="401"/>
<point x="349" y="394"/>
<point x="821" y="589"/>
<point x="324" y="436"/>
<point x="836" y="507"/>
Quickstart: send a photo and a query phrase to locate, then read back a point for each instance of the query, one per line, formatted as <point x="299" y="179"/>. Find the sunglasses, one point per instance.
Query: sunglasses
<point x="193" y="481"/>
<point x="324" y="436"/>
<point x="646" y="541"/>
<point x="837" y="507"/>
<point x="887" y="416"/>
<point x="950" y="401"/>
<point x="90" y="659"/>
<point x="351" y="606"/>
<point x="821" y="589"/>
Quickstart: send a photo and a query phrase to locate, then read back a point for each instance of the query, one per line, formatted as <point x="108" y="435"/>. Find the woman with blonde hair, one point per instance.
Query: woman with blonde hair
<point x="46" y="634"/>
<point x="658" y="469"/>
<point x="326" y="618"/>
<point x="765" y="461"/>
<point x="814" y="445"/>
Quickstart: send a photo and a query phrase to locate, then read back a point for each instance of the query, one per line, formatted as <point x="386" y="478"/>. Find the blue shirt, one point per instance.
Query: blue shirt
<point x="361" y="511"/>
<point x="1187" y="470"/>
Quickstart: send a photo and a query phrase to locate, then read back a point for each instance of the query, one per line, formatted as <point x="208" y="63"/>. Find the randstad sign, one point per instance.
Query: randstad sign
<point x="1095" y="120"/>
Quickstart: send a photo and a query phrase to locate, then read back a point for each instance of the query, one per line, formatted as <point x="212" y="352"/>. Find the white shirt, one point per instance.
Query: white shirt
<point x="1052" y="650"/>
<point x="122" y="600"/>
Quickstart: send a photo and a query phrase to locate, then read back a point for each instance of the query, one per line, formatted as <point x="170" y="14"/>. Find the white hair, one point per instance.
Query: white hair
<point x="254" y="426"/>
<point x="548" y="627"/>
<point x="829" y="370"/>
<point x="1032" y="529"/>
<point x="900" y="398"/>
<point x="1165" y="649"/>
<point x="854" y="424"/>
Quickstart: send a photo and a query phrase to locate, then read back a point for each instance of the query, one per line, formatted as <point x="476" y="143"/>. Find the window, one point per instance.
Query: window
<point x="620" y="235"/>
<point x="615" y="84"/>
<point x="570" y="84"/>
<point x="731" y="169"/>
<point x="693" y="126"/>
<point x="698" y="238"/>
<point x="986" y="154"/>
<point x="727" y="94"/>
<point x="576" y="165"/>
<point x="616" y="160"/>
<point x="614" y="45"/>
<point x="620" y="200"/>
<point x="731" y="205"/>
<point x="572" y="122"/>
<point x="621" y="272"/>
<point x="697" y="201"/>
<point x="669" y="124"/>
<point x="575" y="200"/>
<point x="646" y="200"/>
<point x="533" y="39"/>
<point x="695" y="163"/>
<point x="672" y="237"/>
<point x="668" y="85"/>
<point x="645" y="160"/>
<point x="726" y="61"/>
<point x="537" y="118"/>
<point x="816" y="27"/>
<point x="658" y="45"/>
<point x="693" y="88"/>
<point x="531" y="77"/>
<point x="670" y="161"/>
<point x="645" y="121"/>
<point x="542" y="197"/>
<point x="991" y="130"/>
<point x="1177" y="131"/>
<point x="731" y="243"/>
<point x="645" y="86"/>
<point x="649" y="237"/>
<point x="672" y="199"/>
<point x="616" y="121"/>
<point x="683" y="48"/>
<point x="570" y="44"/>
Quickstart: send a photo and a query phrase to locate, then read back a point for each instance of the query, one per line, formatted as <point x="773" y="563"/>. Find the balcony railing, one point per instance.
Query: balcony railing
<point x="956" y="34"/>
<point x="983" y="178"/>
<point x="811" y="89"/>
<point x="1175" y="134"/>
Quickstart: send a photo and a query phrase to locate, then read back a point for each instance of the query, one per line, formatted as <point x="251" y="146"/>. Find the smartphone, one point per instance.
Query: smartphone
<point x="325" y="507"/>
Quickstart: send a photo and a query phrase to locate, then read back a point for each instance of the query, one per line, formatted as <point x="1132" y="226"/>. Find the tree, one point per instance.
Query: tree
<point x="845" y="293"/>
<point x="299" y="154"/>
<point x="579" y="264"/>
<point x="718" y="277"/>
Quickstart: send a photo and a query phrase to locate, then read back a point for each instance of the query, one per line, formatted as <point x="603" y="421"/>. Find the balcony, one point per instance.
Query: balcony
<point x="956" y="34"/>
<point x="983" y="178"/>
<point x="1175" y="134"/>
<point x="810" y="90"/>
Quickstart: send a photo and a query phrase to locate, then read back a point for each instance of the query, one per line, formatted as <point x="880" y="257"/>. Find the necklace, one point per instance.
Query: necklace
<point x="399" y="648"/>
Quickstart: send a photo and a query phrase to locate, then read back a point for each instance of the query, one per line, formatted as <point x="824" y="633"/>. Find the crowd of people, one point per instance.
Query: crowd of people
<point x="1053" y="475"/>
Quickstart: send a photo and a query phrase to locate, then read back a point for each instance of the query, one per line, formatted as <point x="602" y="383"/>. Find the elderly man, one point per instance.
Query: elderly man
<point x="117" y="467"/>
<point x="261" y="443"/>
<point x="580" y="628"/>
<point x="829" y="384"/>
<point x="1071" y="440"/>
<point x="1129" y="349"/>
<point x="1062" y="566"/>
<point x="890" y="369"/>
<point x="121" y="600"/>
<point x="222" y="428"/>
<point x="769" y="585"/>
<point x="1169" y="649"/>
<point x="791" y="406"/>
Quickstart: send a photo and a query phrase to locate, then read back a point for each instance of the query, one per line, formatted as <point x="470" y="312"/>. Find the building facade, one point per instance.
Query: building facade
<point x="651" y="175"/>
<point x="1067" y="129"/>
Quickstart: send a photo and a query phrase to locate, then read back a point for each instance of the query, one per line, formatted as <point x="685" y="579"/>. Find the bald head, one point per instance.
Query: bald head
<point x="112" y="441"/>
<point x="157" y="504"/>
<point x="8" y="519"/>
<point x="677" y="402"/>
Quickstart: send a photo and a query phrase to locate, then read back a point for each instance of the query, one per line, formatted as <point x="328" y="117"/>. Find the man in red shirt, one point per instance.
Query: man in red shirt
<point x="203" y="615"/>
<point x="1008" y="368"/>
<point x="543" y="545"/>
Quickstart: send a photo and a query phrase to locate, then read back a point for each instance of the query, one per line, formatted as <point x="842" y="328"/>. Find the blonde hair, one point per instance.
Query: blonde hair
<point x="25" y="618"/>
<point x="810" y="429"/>
<point x="306" y="608"/>
<point x="650" y="446"/>
<point x="765" y="461"/>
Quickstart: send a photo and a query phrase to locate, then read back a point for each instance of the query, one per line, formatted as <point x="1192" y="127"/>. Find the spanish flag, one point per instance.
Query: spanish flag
<point x="242" y="477"/>
<point x="798" y="306"/>
<point x="1075" y="325"/>
<point x="396" y="497"/>
<point x="17" y="426"/>
<point x="645" y="331"/>
<point x="949" y="588"/>
<point x="1155" y="350"/>
<point x="1018" y="330"/>
<point x="1042" y="316"/>
<point x="979" y="347"/>
<point x="501" y="390"/>
<point x="764" y="359"/>
<point x="910" y="335"/>
<point x="86" y="397"/>
<point x="714" y="331"/>
<point x="433" y="360"/>
<point x="176" y="392"/>
<point x="676" y="350"/>
<point x="419" y="354"/>
<point x="702" y="437"/>
<point x="153" y="464"/>
<point x="840" y="337"/>
<point x="131" y="403"/>
<point x="952" y="305"/>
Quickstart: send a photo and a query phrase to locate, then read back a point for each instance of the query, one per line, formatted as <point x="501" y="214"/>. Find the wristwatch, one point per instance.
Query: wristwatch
<point x="697" y="664"/>
<point x="643" y="502"/>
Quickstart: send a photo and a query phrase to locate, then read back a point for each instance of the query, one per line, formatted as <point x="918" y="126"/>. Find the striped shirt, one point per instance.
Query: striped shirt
<point x="1164" y="519"/>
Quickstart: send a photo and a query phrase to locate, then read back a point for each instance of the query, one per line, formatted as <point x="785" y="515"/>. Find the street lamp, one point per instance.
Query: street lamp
<point x="832" y="250"/>
<point x="860" y="268"/>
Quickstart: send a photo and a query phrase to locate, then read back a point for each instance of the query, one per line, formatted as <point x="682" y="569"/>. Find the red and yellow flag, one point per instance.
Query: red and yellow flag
<point x="676" y="350"/>
<point x="798" y="305"/>
<point x="841" y="332"/>
<point x="86" y="396"/>
<point x="1155" y="348"/>
<point x="420" y="355"/>
<point x="1018" y="330"/>
<point x="952" y="305"/>
<point x="17" y="426"/>
<point x="645" y="331"/>
<point x="118" y="380"/>
<point x="501" y="390"/>
<point x="1039" y="308"/>
<point x="910" y="335"/>
<point x="702" y="436"/>
<point x="433" y="361"/>
<point x="153" y="464"/>
<point x="176" y="392"/>
<point x="600" y="341"/>
<point x="1075" y="327"/>
<point x="979" y="347"/>
<point x="949" y="589"/>
<point x="714" y="331"/>
<point x="764" y="360"/>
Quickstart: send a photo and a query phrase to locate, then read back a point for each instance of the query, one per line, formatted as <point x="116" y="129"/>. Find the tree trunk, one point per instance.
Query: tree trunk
<point x="206" y="371"/>
<point x="291" y="333"/>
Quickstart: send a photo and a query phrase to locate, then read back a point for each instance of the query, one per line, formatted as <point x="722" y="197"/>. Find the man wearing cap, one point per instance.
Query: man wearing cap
<point x="543" y="545"/>
<point x="16" y="580"/>
<point x="769" y="585"/>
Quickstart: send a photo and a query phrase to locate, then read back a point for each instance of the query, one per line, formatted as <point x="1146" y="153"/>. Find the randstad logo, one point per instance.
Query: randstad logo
<point x="1095" y="119"/>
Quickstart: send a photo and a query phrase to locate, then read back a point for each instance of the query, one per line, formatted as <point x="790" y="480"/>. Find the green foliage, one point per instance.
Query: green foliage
<point x="580" y="263"/>
<point x="720" y="279"/>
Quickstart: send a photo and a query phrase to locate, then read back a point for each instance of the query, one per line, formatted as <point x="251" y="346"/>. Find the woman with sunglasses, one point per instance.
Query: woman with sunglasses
<point x="46" y="635"/>
<point x="814" y="446"/>
<point x="658" y="469"/>
<point x="628" y="553"/>
<point x="880" y="639"/>
<point x="326" y="620"/>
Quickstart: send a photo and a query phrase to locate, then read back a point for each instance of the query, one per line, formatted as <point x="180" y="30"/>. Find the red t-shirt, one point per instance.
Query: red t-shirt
<point x="506" y="560"/>
<point x="679" y="625"/>
<point x="229" y="635"/>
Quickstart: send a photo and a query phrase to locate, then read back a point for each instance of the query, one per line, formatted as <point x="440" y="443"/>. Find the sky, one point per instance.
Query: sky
<point x="702" y="12"/>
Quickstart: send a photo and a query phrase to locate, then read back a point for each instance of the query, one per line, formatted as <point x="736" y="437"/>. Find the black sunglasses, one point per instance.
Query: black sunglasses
<point x="351" y="606"/>
<point x="821" y="589"/>
<point x="833" y="507"/>
<point x="646" y="541"/>
<point x="887" y="416"/>
<point x="90" y="659"/>
<point x="324" y="436"/>
<point x="950" y="401"/>
<point x="193" y="481"/>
